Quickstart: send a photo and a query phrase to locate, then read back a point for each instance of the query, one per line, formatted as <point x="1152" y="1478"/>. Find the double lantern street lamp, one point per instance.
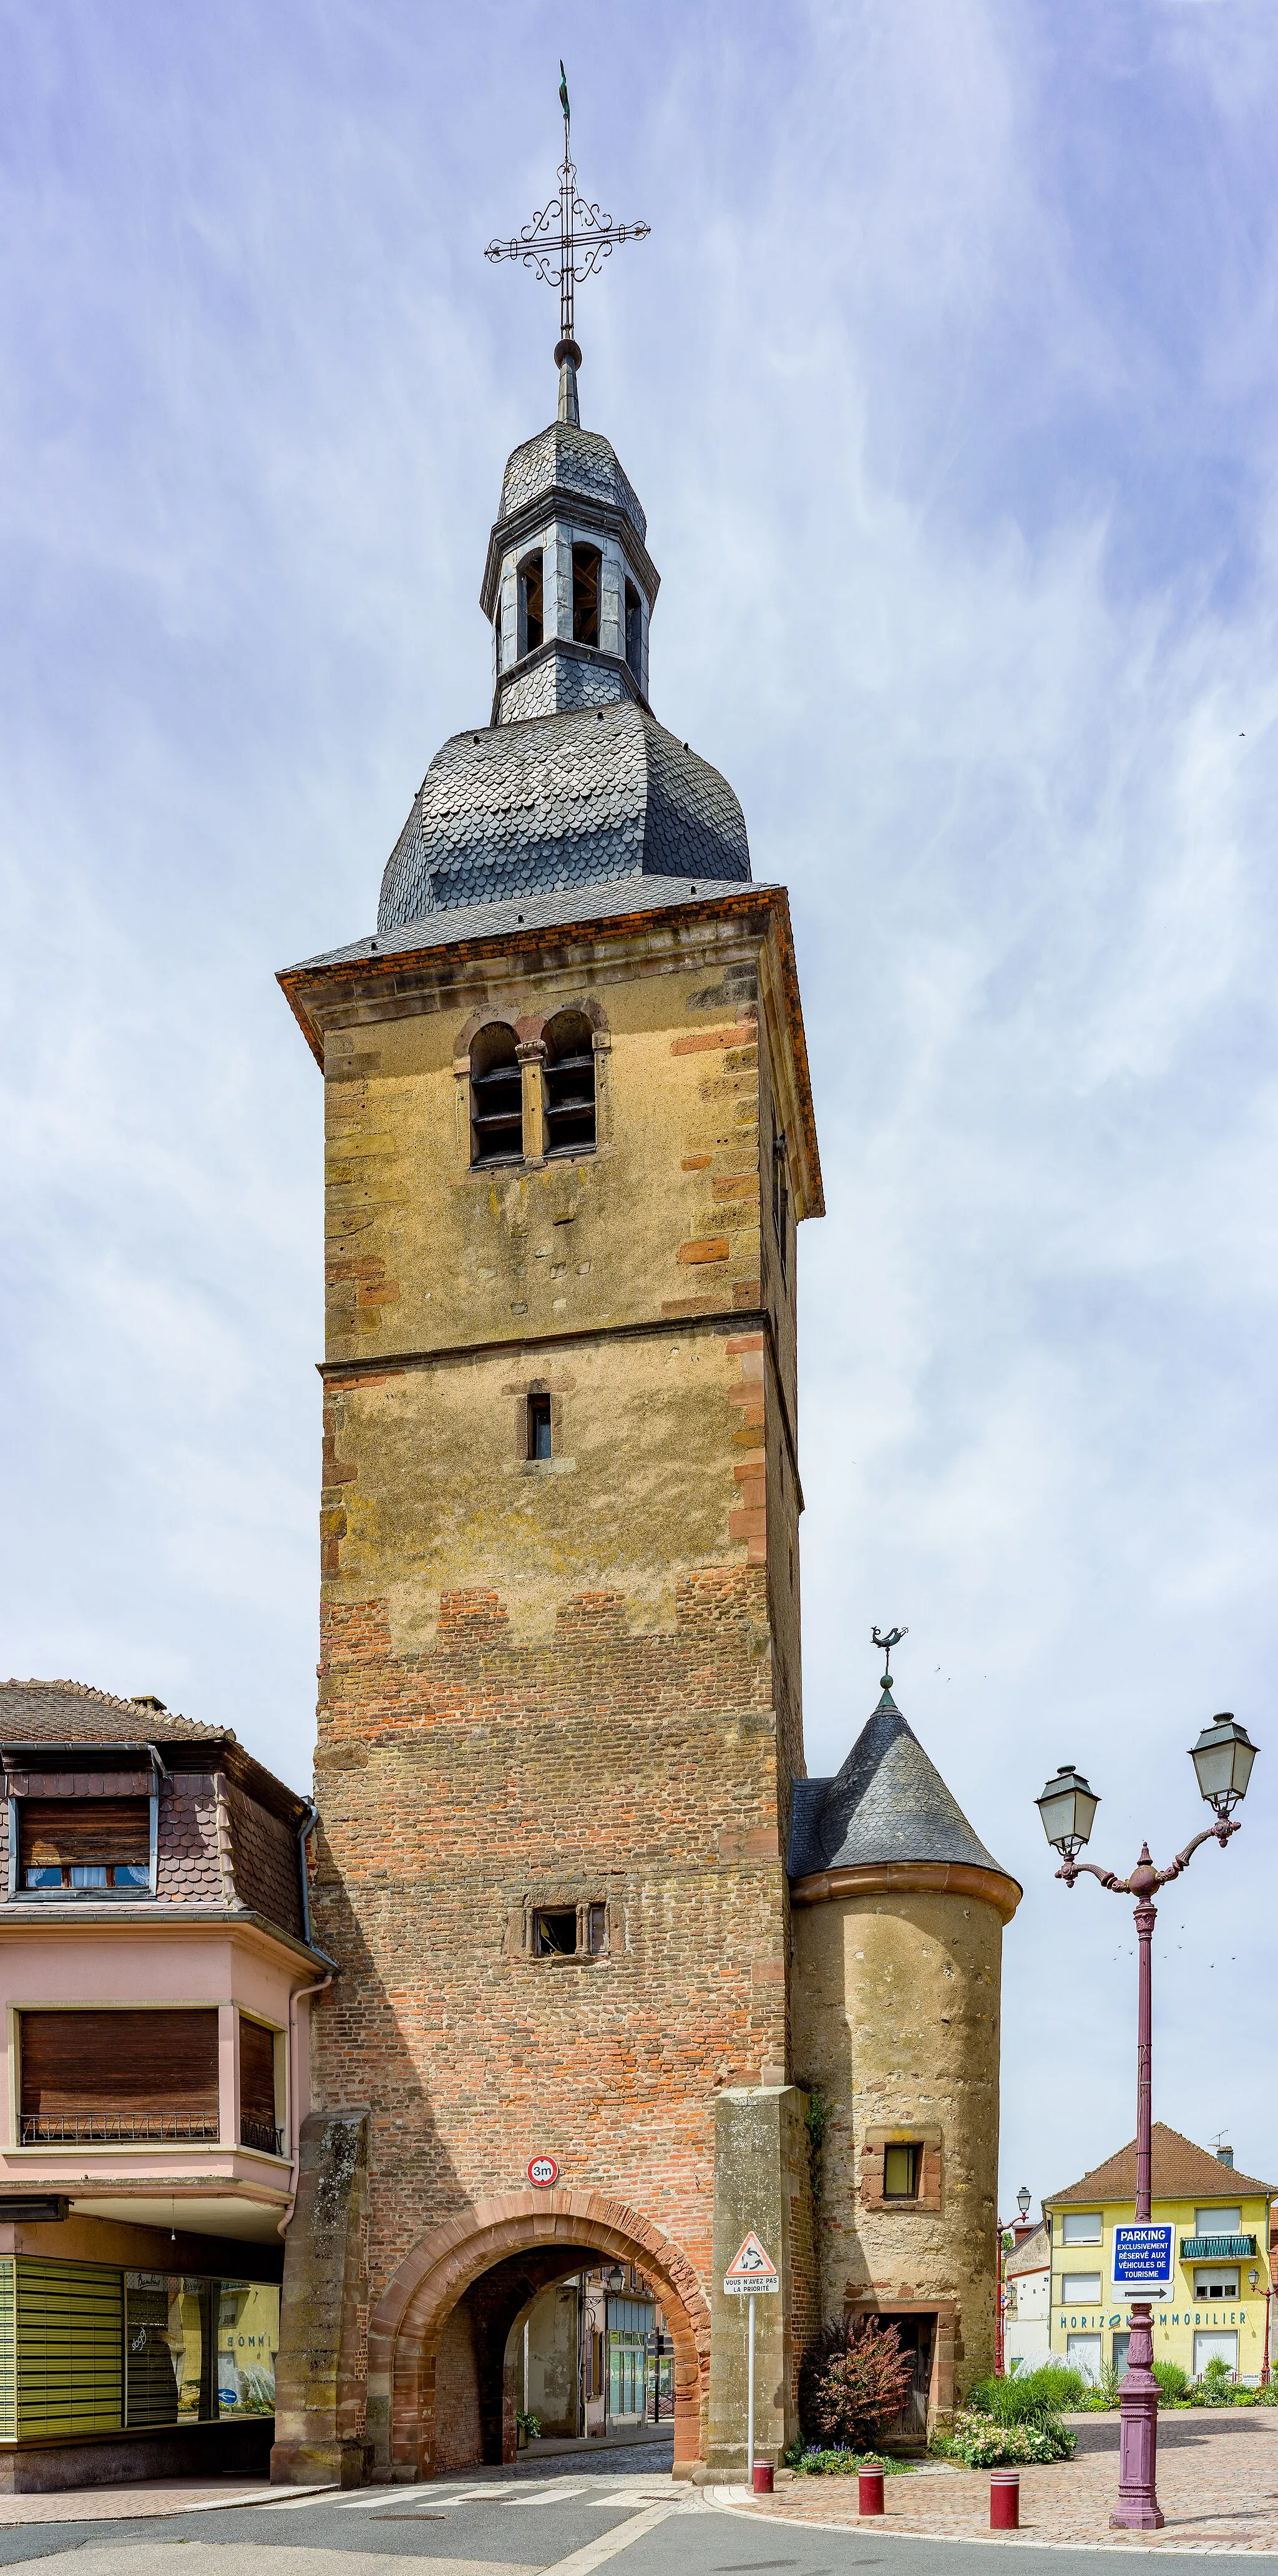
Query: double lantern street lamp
<point x="1222" y="1758"/>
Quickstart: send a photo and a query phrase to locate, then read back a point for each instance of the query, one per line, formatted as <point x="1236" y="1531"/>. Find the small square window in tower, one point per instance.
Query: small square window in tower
<point x="587" y="566"/>
<point x="634" y="634"/>
<point x="530" y="609"/>
<point x="496" y="1097"/>
<point x="570" y="1085"/>
<point x="539" y="1426"/>
<point x="555" y="1933"/>
<point x="901" y="2172"/>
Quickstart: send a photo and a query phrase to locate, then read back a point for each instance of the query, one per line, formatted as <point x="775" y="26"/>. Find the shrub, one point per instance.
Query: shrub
<point x="1031" y="2396"/>
<point x="982" y="2443"/>
<point x="852" y="2378"/>
<point x="1173" y="2382"/>
<point x="811" y="2463"/>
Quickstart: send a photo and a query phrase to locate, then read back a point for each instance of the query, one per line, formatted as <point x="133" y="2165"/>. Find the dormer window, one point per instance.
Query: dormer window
<point x="83" y="1843"/>
<point x="496" y="1097"/>
<point x="634" y="634"/>
<point x="570" y="1084"/>
<point x="587" y="568"/>
<point x="531" y="619"/>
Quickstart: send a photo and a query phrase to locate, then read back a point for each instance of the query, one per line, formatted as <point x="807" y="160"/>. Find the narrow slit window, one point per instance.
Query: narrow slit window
<point x="780" y="1198"/>
<point x="496" y="1098"/>
<point x="539" y="1426"/>
<point x="587" y="567"/>
<point x="634" y="633"/>
<point x="901" y="2172"/>
<point x="531" y="620"/>
<point x="497" y="643"/>
<point x="570" y="1085"/>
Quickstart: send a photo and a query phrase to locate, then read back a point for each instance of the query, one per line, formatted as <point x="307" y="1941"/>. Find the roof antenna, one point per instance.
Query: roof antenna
<point x="566" y="242"/>
<point x="885" y="1645"/>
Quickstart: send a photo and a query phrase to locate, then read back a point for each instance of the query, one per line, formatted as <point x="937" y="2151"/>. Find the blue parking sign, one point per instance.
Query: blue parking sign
<point x="1143" y="2261"/>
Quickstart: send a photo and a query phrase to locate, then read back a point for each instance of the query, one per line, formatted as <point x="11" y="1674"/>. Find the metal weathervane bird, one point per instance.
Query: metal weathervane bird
<point x="567" y="241"/>
<point x="885" y="1645"/>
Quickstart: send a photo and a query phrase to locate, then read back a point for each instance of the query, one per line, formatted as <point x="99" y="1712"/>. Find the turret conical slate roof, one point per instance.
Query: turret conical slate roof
<point x="888" y="1803"/>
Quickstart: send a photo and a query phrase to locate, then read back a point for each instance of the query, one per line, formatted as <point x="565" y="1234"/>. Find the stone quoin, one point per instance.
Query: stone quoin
<point x="583" y="1902"/>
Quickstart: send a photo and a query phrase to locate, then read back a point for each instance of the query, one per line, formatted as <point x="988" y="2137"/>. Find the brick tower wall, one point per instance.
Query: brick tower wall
<point x="569" y="1682"/>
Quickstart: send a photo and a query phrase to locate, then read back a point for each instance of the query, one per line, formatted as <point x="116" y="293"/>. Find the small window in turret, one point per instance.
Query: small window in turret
<point x="530" y="608"/>
<point x="634" y="634"/>
<point x="570" y="1084"/>
<point x="587" y="565"/>
<point x="496" y="1097"/>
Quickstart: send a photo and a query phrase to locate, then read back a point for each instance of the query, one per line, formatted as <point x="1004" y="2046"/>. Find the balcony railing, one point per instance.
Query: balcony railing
<point x="263" y="2135"/>
<point x="113" y="2128"/>
<point x="1217" y="2249"/>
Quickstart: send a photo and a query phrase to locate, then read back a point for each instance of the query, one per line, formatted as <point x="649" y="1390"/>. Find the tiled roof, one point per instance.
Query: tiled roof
<point x="614" y="897"/>
<point x="888" y="1803"/>
<point x="577" y="460"/>
<point x="75" y="1713"/>
<point x="1180" y="2171"/>
<point x="555" y="804"/>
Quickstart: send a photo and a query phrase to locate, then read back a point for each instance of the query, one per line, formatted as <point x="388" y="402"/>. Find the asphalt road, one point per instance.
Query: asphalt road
<point x="559" y="2518"/>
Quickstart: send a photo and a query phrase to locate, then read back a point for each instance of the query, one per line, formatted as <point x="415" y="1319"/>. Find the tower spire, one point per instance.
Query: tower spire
<point x="566" y="242"/>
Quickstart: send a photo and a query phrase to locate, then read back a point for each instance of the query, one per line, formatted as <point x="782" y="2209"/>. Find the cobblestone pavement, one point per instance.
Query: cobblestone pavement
<point x="1217" y="2485"/>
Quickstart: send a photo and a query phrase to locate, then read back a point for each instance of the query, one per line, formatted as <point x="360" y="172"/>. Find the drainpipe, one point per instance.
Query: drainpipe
<point x="293" y="2092"/>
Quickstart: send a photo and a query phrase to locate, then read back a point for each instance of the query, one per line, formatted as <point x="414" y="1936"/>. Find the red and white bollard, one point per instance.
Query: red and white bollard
<point x="1005" y="2499"/>
<point x="763" y="2477"/>
<point x="869" y="2483"/>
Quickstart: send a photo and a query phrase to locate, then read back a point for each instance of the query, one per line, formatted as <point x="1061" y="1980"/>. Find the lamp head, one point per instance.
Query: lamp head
<point x="1023" y="2201"/>
<point x="1068" y="1808"/>
<point x="1222" y="1758"/>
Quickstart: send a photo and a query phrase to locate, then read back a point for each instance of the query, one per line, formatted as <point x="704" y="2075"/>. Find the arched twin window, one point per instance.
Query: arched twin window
<point x="497" y="1132"/>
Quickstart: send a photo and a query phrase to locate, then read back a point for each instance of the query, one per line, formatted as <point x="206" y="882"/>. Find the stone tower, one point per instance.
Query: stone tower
<point x="569" y="1137"/>
<point x="897" y="1968"/>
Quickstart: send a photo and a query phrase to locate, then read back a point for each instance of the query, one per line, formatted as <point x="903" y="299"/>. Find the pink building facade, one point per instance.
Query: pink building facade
<point x="156" y="1967"/>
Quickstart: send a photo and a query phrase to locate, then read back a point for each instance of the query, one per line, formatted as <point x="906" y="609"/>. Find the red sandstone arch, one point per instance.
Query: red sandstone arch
<point x="405" y="2326"/>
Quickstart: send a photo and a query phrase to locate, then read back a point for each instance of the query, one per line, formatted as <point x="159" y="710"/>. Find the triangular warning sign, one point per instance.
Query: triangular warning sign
<point x="750" y="2263"/>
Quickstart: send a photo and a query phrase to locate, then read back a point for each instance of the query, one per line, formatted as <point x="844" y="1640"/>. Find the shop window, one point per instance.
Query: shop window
<point x="587" y="570"/>
<point x="98" y="2078"/>
<point x="570" y="1084"/>
<point x="198" y="2350"/>
<point x="1215" y="2347"/>
<point x="496" y="1097"/>
<point x="634" y="634"/>
<point x="1083" y="2352"/>
<point x="901" y="2167"/>
<point x="84" y="1843"/>
<point x="531" y="623"/>
<point x="1081" y="2227"/>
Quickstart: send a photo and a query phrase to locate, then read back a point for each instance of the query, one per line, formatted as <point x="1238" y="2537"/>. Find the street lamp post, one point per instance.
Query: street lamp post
<point x="1222" y="1758"/>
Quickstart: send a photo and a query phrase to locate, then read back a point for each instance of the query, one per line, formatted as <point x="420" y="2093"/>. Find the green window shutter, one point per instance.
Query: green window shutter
<point x="70" y="2347"/>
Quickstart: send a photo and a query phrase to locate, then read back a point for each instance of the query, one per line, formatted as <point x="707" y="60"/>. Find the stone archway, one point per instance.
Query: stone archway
<point x="406" y="2325"/>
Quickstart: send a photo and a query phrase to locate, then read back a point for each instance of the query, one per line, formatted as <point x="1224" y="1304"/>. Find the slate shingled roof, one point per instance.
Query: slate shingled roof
<point x="888" y="1803"/>
<point x="75" y="1713"/>
<point x="576" y="460"/>
<point x="559" y="803"/>
<point x="1179" y="2171"/>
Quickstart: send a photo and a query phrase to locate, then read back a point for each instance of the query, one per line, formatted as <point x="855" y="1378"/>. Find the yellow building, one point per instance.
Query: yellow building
<point x="1217" y="2301"/>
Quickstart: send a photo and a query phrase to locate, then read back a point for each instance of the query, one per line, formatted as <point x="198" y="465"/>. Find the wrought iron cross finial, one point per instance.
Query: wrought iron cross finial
<point x="885" y="1645"/>
<point x="567" y="241"/>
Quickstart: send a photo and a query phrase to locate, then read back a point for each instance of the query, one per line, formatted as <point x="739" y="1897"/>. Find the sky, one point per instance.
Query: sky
<point x="947" y="379"/>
